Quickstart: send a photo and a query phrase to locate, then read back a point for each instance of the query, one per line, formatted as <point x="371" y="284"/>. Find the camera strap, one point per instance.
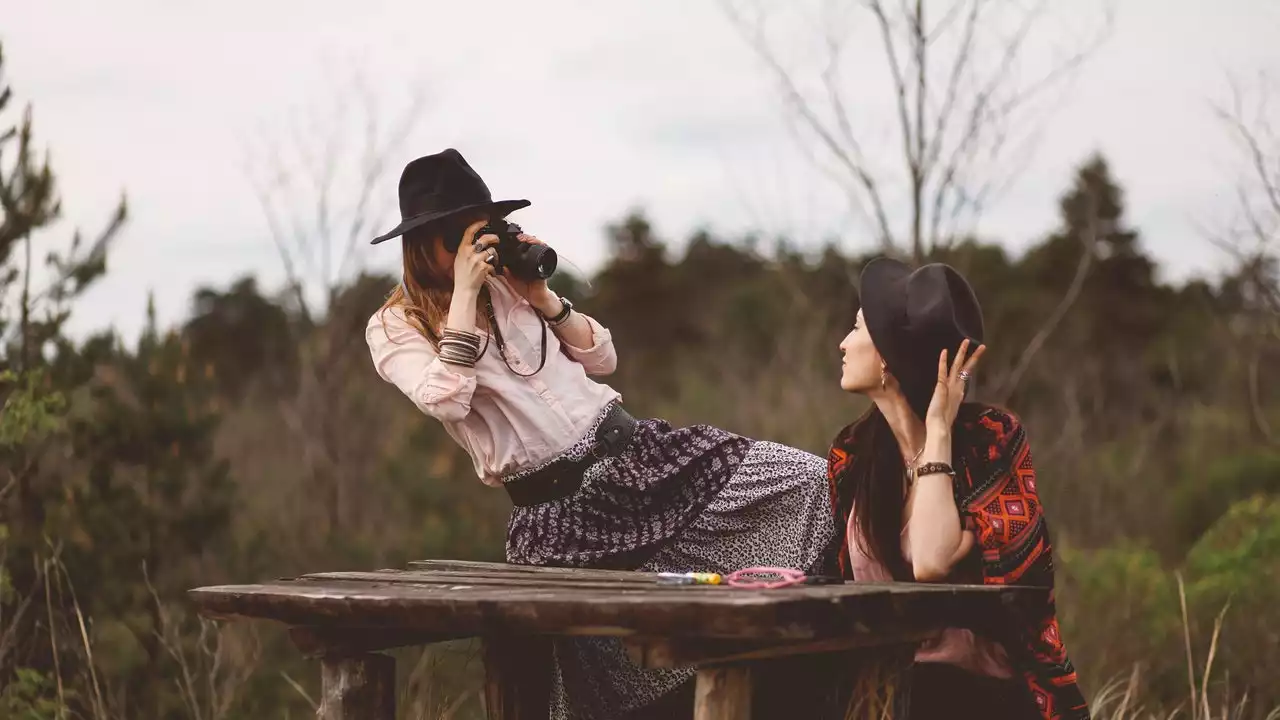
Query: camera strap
<point x="502" y="346"/>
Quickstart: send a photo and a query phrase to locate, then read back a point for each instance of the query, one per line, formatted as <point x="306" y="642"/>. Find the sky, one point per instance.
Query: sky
<point x="588" y="109"/>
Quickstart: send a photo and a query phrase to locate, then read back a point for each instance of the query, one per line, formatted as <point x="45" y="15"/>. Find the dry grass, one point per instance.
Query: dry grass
<point x="1121" y="699"/>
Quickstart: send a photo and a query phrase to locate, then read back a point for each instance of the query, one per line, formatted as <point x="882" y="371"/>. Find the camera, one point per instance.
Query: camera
<point x="525" y="261"/>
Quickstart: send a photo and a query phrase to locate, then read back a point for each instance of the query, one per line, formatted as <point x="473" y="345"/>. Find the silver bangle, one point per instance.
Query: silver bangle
<point x="459" y="348"/>
<point x="458" y="360"/>
<point x="469" y="338"/>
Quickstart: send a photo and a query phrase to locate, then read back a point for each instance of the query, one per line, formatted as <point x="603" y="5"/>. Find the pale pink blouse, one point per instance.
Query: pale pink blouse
<point x="956" y="646"/>
<point x="505" y="422"/>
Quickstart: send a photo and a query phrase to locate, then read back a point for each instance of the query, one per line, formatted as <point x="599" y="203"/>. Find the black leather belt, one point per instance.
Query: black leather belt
<point x="562" y="478"/>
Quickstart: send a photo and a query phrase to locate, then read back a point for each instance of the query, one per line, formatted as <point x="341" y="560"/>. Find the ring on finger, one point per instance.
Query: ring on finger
<point x="964" y="375"/>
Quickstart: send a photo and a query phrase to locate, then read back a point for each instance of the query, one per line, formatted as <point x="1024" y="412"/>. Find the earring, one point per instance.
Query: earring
<point x="884" y="371"/>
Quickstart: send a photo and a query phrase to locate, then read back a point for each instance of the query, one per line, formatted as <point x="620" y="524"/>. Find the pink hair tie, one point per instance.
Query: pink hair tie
<point x="743" y="578"/>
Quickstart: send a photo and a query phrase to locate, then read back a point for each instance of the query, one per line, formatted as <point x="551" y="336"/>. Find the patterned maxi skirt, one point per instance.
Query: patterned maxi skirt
<point x="675" y="500"/>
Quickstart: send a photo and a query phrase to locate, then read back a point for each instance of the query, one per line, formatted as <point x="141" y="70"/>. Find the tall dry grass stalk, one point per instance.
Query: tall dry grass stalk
<point x="423" y="698"/>
<point x="214" y="662"/>
<point x="1120" y="699"/>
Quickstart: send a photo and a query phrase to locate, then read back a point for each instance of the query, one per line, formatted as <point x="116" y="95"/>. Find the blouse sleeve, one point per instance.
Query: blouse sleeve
<point x="599" y="359"/>
<point x="406" y="359"/>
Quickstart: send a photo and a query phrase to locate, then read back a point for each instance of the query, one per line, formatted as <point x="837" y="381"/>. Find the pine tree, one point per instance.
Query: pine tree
<point x="33" y="393"/>
<point x="157" y="498"/>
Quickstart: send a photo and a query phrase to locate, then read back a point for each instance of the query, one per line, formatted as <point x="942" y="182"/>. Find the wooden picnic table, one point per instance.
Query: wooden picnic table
<point x="796" y="652"/>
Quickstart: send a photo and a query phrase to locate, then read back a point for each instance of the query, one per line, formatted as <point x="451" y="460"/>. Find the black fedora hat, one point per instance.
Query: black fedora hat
<point x="913" y="315"/>
<point x="439" y="186"/>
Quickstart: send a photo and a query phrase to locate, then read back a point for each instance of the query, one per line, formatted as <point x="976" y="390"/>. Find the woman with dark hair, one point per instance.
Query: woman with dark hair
<point x="508" y="368"/>
<point x="930" y="488"/>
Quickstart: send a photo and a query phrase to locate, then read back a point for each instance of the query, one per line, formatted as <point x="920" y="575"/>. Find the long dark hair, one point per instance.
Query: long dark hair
<point x="875" y="476"/>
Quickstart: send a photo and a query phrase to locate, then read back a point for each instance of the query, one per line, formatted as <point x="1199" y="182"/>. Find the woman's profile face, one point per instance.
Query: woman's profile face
<point x="860" y="365"/>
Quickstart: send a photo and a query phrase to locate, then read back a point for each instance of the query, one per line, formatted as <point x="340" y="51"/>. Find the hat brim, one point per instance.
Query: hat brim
<point x="882" y="289"/>
<point x="882" y="294"/>
<point x="501" y="208"/>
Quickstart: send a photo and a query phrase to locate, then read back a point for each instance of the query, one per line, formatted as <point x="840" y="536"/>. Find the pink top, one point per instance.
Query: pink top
<point x="957" y="646"/>
<point x="505" y="422"/>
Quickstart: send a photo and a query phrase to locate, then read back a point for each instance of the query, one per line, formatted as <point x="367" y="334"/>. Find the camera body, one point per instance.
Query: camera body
<point x="525" y="261"/>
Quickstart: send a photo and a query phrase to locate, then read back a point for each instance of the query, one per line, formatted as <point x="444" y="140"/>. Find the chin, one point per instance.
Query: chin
<point x="856" y="386"/>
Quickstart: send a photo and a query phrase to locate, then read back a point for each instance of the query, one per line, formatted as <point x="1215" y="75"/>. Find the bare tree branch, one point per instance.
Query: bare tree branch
<point x="958" y="138"/>
<point x="1255" y="402"/>
<point x="321" y="187"/>
<point x="1088" y="254"/>
<point x="322" y="183"/>
<point x="850" y="157"/>
<point x="1253" y="240"/>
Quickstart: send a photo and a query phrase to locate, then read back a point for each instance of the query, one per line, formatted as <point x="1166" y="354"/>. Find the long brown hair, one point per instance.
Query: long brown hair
<point x="426" y="288"/>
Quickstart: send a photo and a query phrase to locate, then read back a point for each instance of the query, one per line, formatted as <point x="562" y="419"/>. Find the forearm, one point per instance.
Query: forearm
<point x="462" y="317"/>
<point x="575" y="330"/>
<point x="935" y="531"/>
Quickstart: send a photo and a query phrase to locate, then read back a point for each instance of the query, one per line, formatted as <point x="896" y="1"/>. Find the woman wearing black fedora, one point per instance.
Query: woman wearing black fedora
<point x="508" y="368"/>
<point x="931" y="488"/>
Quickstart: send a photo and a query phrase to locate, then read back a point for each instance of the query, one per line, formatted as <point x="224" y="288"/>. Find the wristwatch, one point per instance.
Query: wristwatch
<point x="560" y="317"/>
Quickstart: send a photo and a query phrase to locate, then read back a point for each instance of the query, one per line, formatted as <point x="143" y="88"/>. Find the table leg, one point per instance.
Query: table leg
<point x="357" y="687"/>
<point x="723" y="693"/>
<point x="517" y="682"/>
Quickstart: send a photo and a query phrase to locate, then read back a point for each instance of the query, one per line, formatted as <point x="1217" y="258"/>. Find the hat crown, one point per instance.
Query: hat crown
<point x="436" y="187"/>
<point x="440" y="182"/>
<point x="940" y="302"/>
<point x="913" y="315"/>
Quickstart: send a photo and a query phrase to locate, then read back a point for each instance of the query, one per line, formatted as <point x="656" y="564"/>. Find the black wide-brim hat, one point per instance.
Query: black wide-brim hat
<point x="913" y="315"/>
<point x="438" y="187"/>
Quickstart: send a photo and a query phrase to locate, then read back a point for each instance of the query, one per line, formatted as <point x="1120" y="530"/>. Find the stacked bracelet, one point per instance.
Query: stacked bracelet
<point x="458" y="347"/>
<point x="557" y="323"/>
<point x="562" y="317"/>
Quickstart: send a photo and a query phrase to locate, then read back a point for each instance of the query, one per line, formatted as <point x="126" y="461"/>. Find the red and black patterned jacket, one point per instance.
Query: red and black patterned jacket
<point x="996" y="492"/>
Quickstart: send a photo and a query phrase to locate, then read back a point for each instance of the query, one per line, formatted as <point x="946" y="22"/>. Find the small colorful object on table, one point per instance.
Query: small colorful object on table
<point x="755" y="578"/>
<point x="689" y="578"/>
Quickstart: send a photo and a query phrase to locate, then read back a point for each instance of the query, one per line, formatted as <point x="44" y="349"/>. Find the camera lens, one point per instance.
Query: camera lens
<point x="539" y="262"/>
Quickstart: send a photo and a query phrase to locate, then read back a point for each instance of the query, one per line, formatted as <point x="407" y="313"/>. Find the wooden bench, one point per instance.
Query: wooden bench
<point x="754" y="650"/>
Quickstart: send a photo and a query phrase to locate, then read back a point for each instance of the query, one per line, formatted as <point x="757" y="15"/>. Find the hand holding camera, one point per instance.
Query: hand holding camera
<point x="475" y="259"/>
<point x="521" y="256"/>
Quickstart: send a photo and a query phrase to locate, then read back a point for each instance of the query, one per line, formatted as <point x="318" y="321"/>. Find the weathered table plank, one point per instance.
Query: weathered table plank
<point x="800" y="613"/>
<point x="489" y="567"/>
<point x="754" y="648"/>
<point x="611" y="580"/>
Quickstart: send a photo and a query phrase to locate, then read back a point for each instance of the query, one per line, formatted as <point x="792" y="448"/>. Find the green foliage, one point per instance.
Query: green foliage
<point x="29" y="411"/>
<point x="1122" y="608"/>
<point x="1118" y="592"/>
<point x="33" y="695"/>
<point x="1236" y="565"/>
<point x="1203" y="498"/>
